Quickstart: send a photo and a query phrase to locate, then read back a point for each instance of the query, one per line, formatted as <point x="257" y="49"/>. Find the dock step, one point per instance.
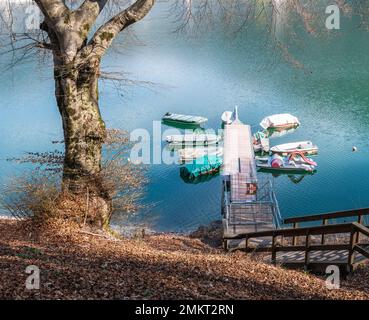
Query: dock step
<point x="345" y="245"/>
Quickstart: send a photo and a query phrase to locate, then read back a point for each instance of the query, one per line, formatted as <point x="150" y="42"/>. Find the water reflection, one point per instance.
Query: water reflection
<point x="278" y="133"/>
<point x="197" y="180"/>
<point x="294" y="178"/>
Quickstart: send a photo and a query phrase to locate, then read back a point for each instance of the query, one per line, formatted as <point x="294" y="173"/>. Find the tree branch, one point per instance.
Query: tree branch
<point x="52" y="9"/>
<point x="105" y="35"/>
<point x="306" y="16"/>
<point x="87" y="4"/>
<point x="45" y="45"/>
<point x="89" y="10"/>
<point x="70" y="28"/>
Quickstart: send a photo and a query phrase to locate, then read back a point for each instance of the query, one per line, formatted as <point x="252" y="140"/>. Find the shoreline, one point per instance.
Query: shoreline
<point x="134" y="230"/>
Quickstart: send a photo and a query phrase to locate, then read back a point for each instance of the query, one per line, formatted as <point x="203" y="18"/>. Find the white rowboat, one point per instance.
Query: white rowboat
<point x="307" y="147"/>
<point x="193" y="139"/>
<point x="280" y="121"/>
<point x="193" y="153"/>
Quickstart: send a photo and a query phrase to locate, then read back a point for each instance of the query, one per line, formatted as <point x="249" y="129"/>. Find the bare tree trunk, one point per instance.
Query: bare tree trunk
<point x="84" y="134"/>
<point x="76" y="72"/>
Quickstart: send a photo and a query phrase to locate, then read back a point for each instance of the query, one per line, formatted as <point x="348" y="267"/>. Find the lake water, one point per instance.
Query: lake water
<point x="205" y="76"/>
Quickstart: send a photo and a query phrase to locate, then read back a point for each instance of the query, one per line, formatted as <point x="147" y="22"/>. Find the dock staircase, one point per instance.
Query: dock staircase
<point x="312" y="242"/>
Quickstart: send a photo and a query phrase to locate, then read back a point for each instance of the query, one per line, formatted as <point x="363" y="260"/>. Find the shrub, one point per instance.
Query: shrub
<point x="37" y="192"/>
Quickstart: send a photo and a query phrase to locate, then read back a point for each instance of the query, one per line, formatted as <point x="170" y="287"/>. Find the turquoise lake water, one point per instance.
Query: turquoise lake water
<point x="207" y="75"/>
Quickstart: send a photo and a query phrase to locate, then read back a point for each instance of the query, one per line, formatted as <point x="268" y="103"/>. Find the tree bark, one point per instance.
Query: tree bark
<point x="76" y="74"/>
<point x="84" y="133"/>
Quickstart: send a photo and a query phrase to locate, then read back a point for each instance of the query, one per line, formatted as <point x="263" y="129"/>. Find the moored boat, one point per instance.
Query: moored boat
<point x="286" y="171"/>
<point x="295" y="162"/>
<point x="193" y="139"/>
<point x="261" y="142"/>
<point x="227" y="117"/>
<point x="201" y="166"/>
<point x="187" y="154"/>
<point x="306" y="147"/>
<point x="280" y="121"/>
<point x="182" y="118"/>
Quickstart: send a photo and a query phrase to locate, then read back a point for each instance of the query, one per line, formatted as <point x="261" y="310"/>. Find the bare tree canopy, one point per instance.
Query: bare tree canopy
<point x="95" y="19"/>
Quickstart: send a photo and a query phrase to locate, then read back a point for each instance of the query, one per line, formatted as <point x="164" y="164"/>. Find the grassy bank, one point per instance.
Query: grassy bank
<point x="75" y="264"/>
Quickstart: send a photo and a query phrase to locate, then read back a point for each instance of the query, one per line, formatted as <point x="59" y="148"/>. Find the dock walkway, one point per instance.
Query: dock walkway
<point x="248" y="203"/>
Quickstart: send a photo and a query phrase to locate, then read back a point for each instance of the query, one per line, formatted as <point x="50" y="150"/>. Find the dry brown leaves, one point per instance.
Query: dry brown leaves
<point x="76" y="265"/>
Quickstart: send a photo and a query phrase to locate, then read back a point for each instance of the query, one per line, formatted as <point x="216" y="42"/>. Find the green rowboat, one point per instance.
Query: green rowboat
<point x="181" y="118"/>
<point x="201" y="166"/>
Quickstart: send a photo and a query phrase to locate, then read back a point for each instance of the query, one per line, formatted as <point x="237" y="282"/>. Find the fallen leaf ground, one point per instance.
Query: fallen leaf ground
<point x="76" y="265"/>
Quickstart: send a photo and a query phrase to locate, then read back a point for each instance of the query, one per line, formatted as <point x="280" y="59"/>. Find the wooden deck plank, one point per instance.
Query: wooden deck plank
<point x="244" y="212"/>
<point x="238" y="150"/>
<point x="239" y="160"/>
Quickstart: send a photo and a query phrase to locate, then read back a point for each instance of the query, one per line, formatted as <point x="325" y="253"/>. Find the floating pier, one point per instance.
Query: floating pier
<point x="251" y="217"/>
<point x="248" y="201"/>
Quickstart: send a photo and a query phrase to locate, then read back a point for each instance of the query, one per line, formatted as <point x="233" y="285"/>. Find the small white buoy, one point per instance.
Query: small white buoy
<point x="354" y="149"/>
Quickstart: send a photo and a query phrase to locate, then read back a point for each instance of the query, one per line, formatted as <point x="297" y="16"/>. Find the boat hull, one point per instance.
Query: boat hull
<point x="285" y="172"/>
<point x="281" y="127"/>
<point x="283" y="121"/>
<point x="289" y="169"/>
<point x="193" y="139"/>
<point x="181" y="125"/>
<point x="201" y="166"/>
<point x="184" y="119"/>
<point x="189" y="154"/>
<point x="305" y="152"/>
<point x="305" y="147"/>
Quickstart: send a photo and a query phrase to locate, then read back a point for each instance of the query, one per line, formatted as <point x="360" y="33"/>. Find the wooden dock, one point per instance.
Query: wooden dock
<point x="248" y="204"/>
<point x="251" y="215"/>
